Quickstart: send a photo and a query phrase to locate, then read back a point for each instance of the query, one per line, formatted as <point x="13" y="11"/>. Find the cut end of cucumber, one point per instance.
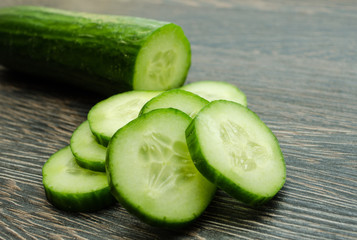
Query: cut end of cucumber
<point x="164" y="60"/>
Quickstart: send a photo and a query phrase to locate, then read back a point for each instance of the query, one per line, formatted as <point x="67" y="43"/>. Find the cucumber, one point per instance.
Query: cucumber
<point x="234" y="149"/>
<point x="187" y="102"/>
<point x="72" y="188"/>
<point x="214" y="90"/>
<point x="103" y="53"/>
<point x="107" y="116"/>
<point x="87" y="151"/>
<point x="150" y="171"/>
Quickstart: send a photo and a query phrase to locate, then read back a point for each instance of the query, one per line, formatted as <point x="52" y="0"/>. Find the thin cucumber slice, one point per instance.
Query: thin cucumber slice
<point x="214" y="90"/>
<point x="151" y="173"/>
<point x="87" y="151"/>
<point x="72" y="188"/>
<point x="187" y="102"/>
<point x="163" y="61"/>
<point x="107" y="116"/>
<point x="233" y="148"/>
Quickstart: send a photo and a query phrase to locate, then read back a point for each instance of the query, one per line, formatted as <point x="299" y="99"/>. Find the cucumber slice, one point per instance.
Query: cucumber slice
<point x="187" y="102"/>
<point x="214" y="90"/>
<point x="87" y="151"/>
<point x="151" y="173"/>
<point x="107" y="116"/>
<point x="72" y="188"/>
<point x="233" y="148"/>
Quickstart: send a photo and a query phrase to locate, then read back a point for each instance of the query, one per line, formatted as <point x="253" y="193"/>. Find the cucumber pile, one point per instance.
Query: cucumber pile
<point x="158" y="148"/>
<point x="162" y="155"/>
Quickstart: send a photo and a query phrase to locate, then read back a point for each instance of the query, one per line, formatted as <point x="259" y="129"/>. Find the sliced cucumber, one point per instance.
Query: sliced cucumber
<point x="151" y="173"/>
<point x="179" y="99"/>
<point x="87" y="151"/>
<point x="72" y="188"/>
<point x="233" y="148"/>
<point x="214" y="90"/>
<point x="107" y="116"/>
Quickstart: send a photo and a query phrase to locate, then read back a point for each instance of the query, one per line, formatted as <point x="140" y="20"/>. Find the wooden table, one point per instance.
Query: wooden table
<point x="297" y="63"/>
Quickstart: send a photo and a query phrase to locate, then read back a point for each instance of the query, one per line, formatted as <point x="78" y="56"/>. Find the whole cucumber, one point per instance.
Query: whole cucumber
<point x="104" y="53"/>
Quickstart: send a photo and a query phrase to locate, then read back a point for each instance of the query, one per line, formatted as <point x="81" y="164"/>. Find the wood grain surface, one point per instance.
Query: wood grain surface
<point x="297" y="63"/>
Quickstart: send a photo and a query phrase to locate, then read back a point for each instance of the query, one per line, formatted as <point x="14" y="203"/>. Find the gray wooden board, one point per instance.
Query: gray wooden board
<point x="297" y="63"/>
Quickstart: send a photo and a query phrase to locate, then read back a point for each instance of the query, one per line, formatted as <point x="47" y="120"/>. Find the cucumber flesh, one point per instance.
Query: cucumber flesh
<point x="233" y="148"/>
<point x="72" y="188"/>
<point x="187" y="102"/>
<point x="107" y="116"/>
<point x="151" y="173"/>
<point x="163" y="61"/>
<point x="87" y="151"/>
<point x="214" y="90"/>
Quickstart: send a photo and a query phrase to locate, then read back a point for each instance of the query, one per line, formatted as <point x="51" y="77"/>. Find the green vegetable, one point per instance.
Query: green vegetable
<point x="234" y="149"/>
<point x="214" y="90"/>
<point x="72" y="188"/>
<point x="187" y="102"/>
<point x="87" y="151"/>
<point x="151" y="173"/>
<point x="107" y="116"/>
<point x="107" y="54"/>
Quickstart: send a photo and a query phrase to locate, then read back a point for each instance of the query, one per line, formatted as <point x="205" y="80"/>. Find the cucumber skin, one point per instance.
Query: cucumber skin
<point x="70" y="203"/>
<point x="95" y="52"/>
<point x="216" y="177"/>
<point x="162" y="223"/>
<point x="94" y="166"/>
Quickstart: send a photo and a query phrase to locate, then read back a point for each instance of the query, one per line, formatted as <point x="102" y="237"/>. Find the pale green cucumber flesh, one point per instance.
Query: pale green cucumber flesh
<point x="163" y="61"/>
<point x="184" y="101"/>
<point x="87" y="151"/>
<point x="233" y="148"/>
<point x="151" y="173"/>
<point x="214" y="90"/>
<point x="72" y="188"/>
<point x="107" y="116"/>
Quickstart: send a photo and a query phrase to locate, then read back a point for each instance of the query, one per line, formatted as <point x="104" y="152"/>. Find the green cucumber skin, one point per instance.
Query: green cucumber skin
<point x="94" y="166"/>
<point x="70" y="203"/>
<point x="92" y="51"/>
<point x="216" y="177"/>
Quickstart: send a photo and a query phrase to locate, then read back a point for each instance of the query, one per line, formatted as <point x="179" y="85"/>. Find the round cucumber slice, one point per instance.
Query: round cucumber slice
<point x="187" y="102"/>
<point x="233" y="148"/>
<point x="163" y="61"/>
<point x="87" y="151"/>
<point x="107" y="116"/>
<point x="214" y="90"/>
<point x="151" y="173"/>
<point x="72" y="188"/>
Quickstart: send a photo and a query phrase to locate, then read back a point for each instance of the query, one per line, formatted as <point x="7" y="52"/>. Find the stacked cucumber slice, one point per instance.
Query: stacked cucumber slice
<point x="161" y="155"/>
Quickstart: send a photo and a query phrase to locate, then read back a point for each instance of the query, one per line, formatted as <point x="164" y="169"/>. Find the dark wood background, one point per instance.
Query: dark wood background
<point x="297" y="63"/>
